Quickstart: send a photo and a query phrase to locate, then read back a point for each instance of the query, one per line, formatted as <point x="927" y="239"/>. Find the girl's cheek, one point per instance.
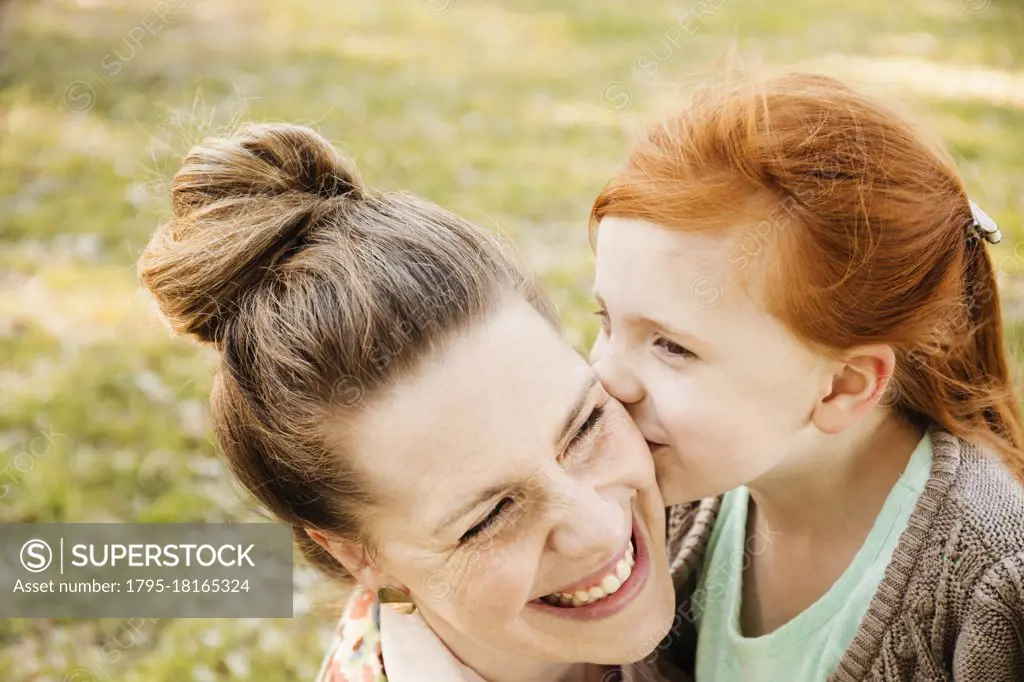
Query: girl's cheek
<point x="685" y="411"/>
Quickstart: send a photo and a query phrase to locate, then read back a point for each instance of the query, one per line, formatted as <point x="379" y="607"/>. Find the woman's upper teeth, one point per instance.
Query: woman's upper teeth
<point x="608" y="585"/>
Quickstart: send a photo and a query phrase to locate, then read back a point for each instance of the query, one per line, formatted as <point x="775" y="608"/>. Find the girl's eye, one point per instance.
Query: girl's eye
<point x="499" y="510"/>
<point x="603" y="316"/>
<point x="673" y="348"/>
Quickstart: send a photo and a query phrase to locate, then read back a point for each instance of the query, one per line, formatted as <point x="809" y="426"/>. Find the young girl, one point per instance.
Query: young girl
<point x="798" y="307"/>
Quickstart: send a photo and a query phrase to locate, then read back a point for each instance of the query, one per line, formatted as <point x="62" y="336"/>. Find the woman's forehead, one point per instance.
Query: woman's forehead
<point x="487" y="407"/>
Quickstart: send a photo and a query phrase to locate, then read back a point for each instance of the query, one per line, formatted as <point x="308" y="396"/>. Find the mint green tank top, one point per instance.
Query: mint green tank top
<point x="808" y="647"/>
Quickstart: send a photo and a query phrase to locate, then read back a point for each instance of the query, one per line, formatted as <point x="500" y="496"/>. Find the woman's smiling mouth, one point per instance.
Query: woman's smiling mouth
<point x="607" y="591"/>
<point x="595" y="589"/>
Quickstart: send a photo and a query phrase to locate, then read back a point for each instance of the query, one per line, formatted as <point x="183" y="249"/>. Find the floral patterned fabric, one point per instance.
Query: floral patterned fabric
<point x="355" y="652"/>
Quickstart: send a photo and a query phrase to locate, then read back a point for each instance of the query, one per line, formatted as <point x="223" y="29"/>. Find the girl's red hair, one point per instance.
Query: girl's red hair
<point x="866" y="226"/>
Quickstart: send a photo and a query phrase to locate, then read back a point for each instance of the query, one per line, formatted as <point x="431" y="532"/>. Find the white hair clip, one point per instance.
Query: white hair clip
<point x="984" y="226"/>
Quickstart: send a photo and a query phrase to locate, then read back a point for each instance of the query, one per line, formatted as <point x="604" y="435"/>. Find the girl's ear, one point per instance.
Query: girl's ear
<point x="858" y="384"/>
<point x="352" y="555"/>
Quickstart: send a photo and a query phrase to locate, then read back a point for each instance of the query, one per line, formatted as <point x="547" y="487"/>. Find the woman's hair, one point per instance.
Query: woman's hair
<point x="318" y="292"/>
<point x="867" y="229"/>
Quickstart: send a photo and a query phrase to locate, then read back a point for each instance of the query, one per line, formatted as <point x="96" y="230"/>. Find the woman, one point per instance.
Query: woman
<point x="393" y="386"/>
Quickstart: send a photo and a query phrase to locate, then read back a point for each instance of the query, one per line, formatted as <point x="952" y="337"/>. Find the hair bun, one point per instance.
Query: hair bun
<point x="264" y="159"/>
<point x="303" y="160"/>
<point x="240" y="205"/>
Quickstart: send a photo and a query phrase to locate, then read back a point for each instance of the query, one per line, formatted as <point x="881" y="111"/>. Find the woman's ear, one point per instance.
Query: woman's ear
<point x="352" y="555"/>
<point x="857" y="385"/>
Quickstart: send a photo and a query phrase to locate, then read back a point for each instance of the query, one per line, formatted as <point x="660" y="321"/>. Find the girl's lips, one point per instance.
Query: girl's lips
<point x="613" y="603"/>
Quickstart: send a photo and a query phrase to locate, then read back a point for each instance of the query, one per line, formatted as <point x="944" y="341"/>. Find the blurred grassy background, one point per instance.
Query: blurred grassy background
<point x="513" y="114"/>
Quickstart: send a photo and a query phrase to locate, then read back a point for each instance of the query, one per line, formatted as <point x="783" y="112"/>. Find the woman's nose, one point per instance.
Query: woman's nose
<point x="614" y="373"/>
<point x="590" y="526"/>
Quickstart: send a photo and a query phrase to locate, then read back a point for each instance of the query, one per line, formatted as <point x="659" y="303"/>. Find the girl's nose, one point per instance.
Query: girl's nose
<point x="614" y="373"/>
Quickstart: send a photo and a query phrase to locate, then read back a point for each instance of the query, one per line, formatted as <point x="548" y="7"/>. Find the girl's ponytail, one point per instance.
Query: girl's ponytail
<point x="958" y="376"/>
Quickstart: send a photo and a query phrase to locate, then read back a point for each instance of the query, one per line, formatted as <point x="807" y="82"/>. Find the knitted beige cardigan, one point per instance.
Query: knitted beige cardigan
<point x="951" y="603"/>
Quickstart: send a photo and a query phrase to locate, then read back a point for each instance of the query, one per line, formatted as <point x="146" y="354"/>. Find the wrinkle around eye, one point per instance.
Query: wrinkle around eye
<point x="489" y="522"/>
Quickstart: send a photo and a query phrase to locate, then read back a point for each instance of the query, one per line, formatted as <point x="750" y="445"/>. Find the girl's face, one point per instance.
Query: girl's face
<point x="506" y="478"/>
<point x="719" y="388"/>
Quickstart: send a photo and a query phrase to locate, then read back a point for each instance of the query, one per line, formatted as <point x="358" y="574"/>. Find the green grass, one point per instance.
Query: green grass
<point x="494" y="112"/>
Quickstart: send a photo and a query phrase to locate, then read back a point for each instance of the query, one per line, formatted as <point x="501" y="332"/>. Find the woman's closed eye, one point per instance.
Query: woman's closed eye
<point x="504" y="505"/>
<point x="588" y="427"/>
<point x="576" y="450"/>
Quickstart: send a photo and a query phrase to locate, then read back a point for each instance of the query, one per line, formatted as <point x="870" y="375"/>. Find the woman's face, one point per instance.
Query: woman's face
<point x="505" y="475"/>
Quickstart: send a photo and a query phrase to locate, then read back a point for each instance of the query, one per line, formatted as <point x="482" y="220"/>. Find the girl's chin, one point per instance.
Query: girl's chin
<point x="676" y="487"/>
